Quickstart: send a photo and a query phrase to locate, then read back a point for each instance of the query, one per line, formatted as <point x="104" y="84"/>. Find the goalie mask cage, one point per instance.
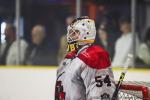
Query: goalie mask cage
<point x="133" y="92"/>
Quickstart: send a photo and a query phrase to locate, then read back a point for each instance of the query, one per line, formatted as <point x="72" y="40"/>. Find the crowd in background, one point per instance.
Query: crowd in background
<point x="44" y="27"/>
<point x="38" y="52"/>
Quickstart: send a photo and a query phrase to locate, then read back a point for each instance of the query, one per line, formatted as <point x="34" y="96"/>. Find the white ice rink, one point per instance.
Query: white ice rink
<point x="39" y="83"/>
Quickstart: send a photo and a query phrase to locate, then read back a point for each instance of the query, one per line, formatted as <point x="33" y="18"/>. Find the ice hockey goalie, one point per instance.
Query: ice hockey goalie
<point x="85" y="72"/>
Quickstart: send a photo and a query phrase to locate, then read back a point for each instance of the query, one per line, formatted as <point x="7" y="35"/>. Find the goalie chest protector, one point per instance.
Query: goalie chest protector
<point x="72" y="78"/>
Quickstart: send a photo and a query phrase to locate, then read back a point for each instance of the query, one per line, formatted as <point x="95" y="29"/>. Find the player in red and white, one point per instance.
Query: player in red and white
<point x="85" y="73"/>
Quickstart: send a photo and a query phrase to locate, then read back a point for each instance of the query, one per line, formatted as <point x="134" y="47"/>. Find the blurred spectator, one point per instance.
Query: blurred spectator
<point x="9" y="52"/>
<point x="38" y="53"/>
<point x="144" y="49"/>
<point x="63" y="41"/>
<point x="124" y="44"/>
<point x="102" y="39"/>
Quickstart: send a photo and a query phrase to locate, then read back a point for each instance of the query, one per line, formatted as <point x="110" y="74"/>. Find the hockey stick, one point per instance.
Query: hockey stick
<point x="127" y="63"/>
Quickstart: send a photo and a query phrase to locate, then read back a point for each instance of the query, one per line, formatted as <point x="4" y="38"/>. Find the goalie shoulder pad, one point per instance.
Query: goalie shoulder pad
<point x="71" y="54"/>
<point x="96" y="57"/>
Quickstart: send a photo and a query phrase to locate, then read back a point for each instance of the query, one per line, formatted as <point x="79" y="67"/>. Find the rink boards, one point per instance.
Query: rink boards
<point x="38" y="83"/>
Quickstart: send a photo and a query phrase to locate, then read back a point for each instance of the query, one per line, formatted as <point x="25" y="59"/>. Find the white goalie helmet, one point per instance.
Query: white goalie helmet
<point x="82" y="31"/>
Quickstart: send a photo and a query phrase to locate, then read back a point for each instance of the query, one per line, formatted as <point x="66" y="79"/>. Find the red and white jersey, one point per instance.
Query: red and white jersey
<point x="85" y="75"/>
